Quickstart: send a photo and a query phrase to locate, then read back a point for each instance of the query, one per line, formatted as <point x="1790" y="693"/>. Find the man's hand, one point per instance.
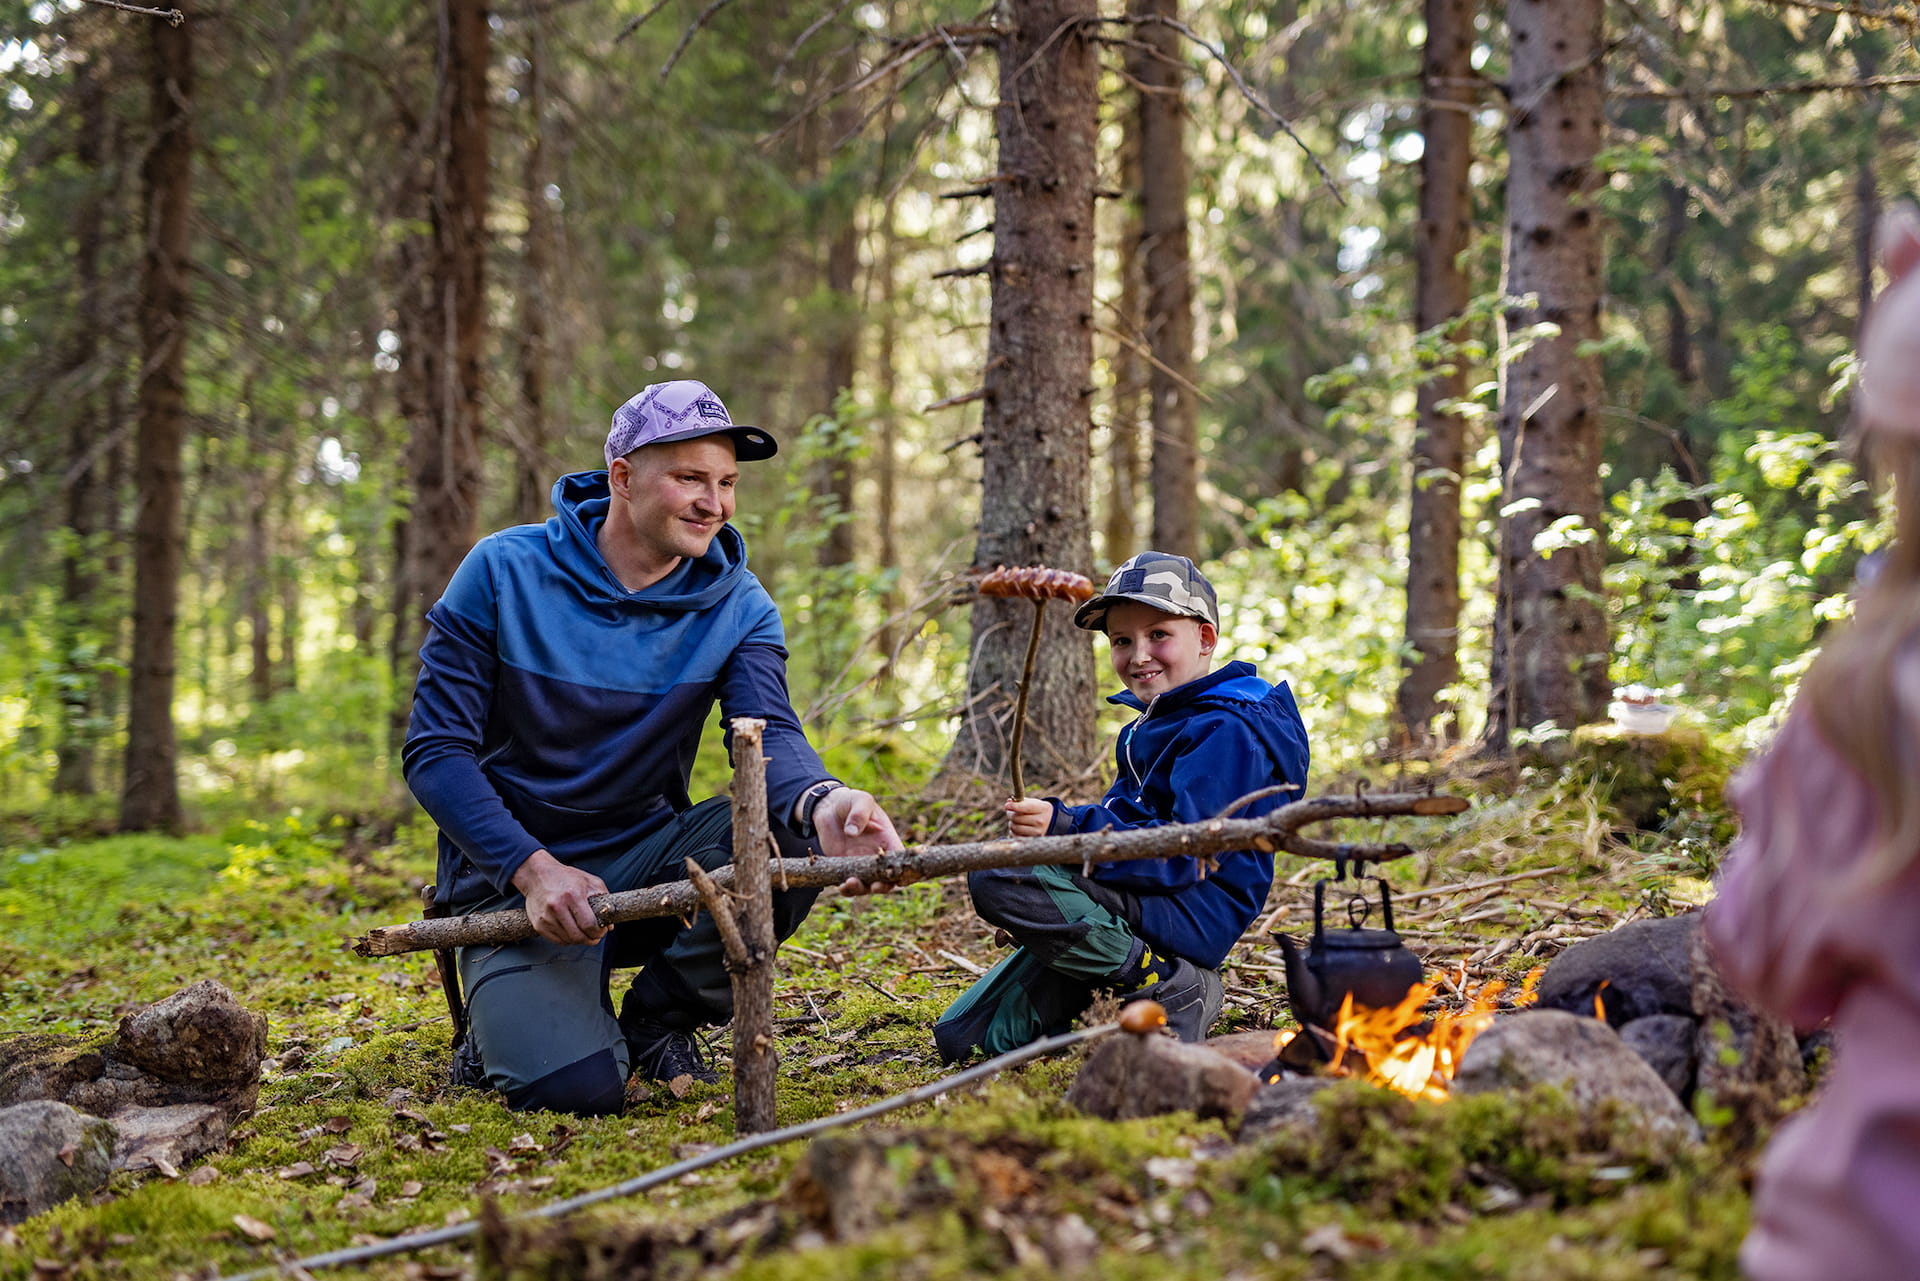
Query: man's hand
<point x="557" y="899"/>
<point x="849" y="823"/>
<point x="1029" y="817"/>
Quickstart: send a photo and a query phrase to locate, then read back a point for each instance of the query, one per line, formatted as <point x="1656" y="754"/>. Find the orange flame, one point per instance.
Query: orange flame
<point x="1374" y="1043"/>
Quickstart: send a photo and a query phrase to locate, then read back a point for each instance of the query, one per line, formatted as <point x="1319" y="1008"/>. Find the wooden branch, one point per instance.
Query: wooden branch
<point x="964" y="398"/>
<point x="1272" y="832"/>
<point x="952" y="272"/>
<point x="754" y="1060"/>
<point x="713" y="897"/>
<point x="1767" y="91"/>
<point x="686" y="37"/>
<point x="173" y="16"/>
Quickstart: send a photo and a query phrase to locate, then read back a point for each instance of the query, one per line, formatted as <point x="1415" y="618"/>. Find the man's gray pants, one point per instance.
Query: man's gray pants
<point x="540" y="1013"/>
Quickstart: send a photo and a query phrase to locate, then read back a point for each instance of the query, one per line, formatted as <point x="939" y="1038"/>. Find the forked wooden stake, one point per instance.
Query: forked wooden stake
<point x="1039" y="585"/>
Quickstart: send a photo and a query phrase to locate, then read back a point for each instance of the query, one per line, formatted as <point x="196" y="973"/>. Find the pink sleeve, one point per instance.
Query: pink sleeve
<point x="1788" y="927"/>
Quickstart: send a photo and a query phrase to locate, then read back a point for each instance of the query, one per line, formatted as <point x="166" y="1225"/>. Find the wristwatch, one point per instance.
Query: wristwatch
<point x="810" y="801"/>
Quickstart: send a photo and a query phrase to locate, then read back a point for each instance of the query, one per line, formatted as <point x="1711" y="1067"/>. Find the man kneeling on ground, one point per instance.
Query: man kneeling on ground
<point x="565" y="680"/>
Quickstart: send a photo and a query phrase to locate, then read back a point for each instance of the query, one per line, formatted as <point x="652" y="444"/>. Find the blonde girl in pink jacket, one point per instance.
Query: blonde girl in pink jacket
<point x="1818" y="917"/>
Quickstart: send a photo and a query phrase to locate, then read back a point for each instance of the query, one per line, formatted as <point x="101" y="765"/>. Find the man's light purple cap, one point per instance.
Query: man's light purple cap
<point x="681" y="410"/>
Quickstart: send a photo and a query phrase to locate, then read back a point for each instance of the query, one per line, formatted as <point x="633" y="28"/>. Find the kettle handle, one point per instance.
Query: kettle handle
<point x="1320" y="907"/>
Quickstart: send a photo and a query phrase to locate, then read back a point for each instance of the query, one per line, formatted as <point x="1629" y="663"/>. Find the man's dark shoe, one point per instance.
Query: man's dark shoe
<point x="1191" y="996"/>
<point x="662" y="1053"/>
<point x="466" y="1070"/>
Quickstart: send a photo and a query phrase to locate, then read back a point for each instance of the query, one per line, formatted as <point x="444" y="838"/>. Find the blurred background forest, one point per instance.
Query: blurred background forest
<point x="298" y="299"/>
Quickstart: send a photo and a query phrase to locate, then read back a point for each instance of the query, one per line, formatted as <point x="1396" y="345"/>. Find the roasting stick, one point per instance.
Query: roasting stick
<point x="1039" y="585"/>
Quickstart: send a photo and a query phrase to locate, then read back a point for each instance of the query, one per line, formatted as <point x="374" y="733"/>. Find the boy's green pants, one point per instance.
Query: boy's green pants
<point x="1076" y="937"/>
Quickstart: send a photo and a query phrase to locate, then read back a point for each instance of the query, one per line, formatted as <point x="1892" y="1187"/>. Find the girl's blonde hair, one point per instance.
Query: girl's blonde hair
<point x="1864" y="688"/>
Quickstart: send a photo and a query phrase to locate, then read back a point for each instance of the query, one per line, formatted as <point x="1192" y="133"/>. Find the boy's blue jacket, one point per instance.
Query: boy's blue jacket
<point x="555" y="709"/>
<point x="1194" y="751"/>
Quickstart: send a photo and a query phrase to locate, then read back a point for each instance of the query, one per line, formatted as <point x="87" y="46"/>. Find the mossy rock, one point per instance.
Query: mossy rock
<point x="35" y="1065"/>
<point x="1647" y="778"/>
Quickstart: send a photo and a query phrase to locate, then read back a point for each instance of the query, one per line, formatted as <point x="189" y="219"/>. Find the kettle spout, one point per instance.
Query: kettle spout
<point x="1305" y="995"/>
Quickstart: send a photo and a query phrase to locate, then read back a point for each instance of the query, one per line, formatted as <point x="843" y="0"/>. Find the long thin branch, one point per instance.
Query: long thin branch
<point x="1259" y="103"/>
<point x="1278" y="830"/>
<point x="679" y="1169"/>
<point x="1767" y="91"/>
<point x="686" y="37"/>
<point x="173" y="16"/>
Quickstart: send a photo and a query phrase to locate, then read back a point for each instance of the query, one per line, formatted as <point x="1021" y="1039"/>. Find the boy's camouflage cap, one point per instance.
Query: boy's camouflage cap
<point x="1172" y="584"/>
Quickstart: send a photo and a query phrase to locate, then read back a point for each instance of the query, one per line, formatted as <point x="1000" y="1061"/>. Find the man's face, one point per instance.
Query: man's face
<point x="1153" y="651"/>
<point x="674" y="497"/>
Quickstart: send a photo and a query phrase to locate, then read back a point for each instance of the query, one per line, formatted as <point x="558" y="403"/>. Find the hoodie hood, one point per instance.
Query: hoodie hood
<point x="580" y="503"/>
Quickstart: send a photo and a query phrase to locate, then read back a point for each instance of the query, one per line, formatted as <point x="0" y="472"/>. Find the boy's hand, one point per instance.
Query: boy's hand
<point x="1029" y="817"/>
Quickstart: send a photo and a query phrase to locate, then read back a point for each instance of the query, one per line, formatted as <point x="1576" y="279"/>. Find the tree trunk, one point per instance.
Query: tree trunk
<point x="443" y="456"/>
<point x="1164" y="184"/>
<point x="1129" y="381"/>
<point x="1035" y="425"/>
<point x="150" y="793"/>
<point x="531" y="478"/>
<point x="1439" y="444"/>
<point x="840" y="336"/>
<point x="886" y="467"/>
<point x="82" y="637"/>
<point x="1553" y="635"/>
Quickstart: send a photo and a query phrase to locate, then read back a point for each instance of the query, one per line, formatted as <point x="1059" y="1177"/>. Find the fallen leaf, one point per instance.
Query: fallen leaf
<point x="412" y="1188"/>
<point x="253" y="1227"/>
<point x="298" y="1170"/>
<point x="345" y="1155"/>
<point x="521" y="1144"/>
<point x="498" y="1162"/>
<point x="364" y="1186"/>
<point x="408" y="1114"/>
<point x="706" y="1110"/>
<point x="66" y="1155"/>
<point x="167" y="1168"/>
<point x="49" y="1270"/>
<point x="337" y="1124"/>
<point x="8" y="1237"/>
<point x="678" y="1087"/>
<point x="458" y="1216"/>
<point x="1331" y="1240"/>
<point x="408" y="1143"/>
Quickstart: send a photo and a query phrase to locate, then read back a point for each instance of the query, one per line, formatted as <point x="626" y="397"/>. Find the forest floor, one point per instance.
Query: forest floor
<point x="357" y="1137"/>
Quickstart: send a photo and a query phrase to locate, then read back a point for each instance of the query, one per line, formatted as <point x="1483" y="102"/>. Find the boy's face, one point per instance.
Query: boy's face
<point x="1153" y="651"/>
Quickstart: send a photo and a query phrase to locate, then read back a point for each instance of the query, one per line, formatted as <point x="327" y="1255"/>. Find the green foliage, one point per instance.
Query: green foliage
<point x="1722" y="610"/>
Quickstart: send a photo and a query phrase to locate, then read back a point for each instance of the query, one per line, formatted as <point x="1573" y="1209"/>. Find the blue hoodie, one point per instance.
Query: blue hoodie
<point x="1191" y="753"/>
<point x="558" y="710"/>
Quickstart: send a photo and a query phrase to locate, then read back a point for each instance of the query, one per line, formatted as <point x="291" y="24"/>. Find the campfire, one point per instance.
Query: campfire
<point x="1398" y="1047"/>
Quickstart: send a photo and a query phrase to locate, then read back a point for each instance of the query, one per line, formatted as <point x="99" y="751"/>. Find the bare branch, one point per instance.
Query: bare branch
<point x="1767" y="91"/>
<point x="1902" y="16"/>
<point x="173" y="16"/>
<point x="686" y="37"/>
<point x="1246" y="91"/>
<point x="635" y="24"/>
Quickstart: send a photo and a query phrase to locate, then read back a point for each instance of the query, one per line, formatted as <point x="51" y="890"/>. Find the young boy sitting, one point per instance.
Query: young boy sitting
<point x="1154" y="927"/>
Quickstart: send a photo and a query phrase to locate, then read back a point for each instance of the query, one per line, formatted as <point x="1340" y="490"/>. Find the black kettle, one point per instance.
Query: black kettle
<point x="1374" y="966"/>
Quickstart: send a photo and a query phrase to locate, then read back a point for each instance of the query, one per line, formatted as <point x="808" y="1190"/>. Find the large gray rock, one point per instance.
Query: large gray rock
<point x="200" y="1035"/>
<point x="1582" y="1056"/>
<point x="1641" y="969"/>
<point x="1666" y="1042"/>
<point x="1130" y="1075"/>
<point x="50" y="1153"/>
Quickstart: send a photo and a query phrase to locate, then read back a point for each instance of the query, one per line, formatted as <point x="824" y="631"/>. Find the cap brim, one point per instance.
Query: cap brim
<point x="750" y="444"/>
<point x="1093" y="614"/>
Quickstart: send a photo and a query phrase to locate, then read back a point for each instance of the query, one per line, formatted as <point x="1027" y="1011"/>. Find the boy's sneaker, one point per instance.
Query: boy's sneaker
<point x="1192" y="997"/>
<point x="466" y="1070"/>
<point x="662" y="1053"/>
